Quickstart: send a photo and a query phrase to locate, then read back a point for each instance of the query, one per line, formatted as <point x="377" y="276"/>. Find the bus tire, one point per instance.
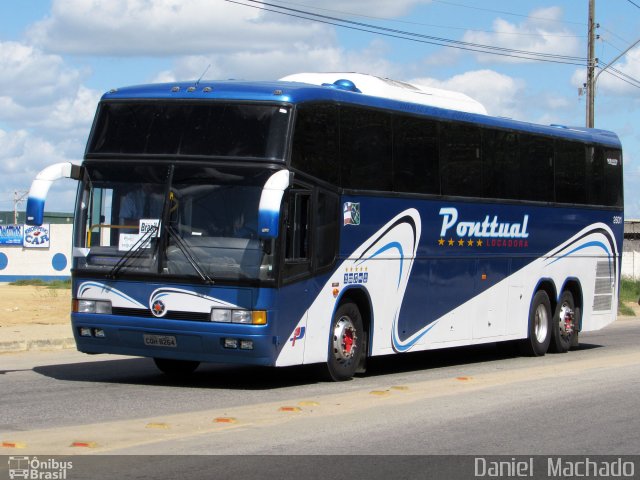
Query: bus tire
<point x="346" y="343"/>
<point x="176" y="368"/>
<point x="575" y="338"/>
<point x="564" y="324"/>
<point x="537" y="342"/>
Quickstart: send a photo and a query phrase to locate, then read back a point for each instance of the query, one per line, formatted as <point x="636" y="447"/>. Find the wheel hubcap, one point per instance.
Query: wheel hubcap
<point x="344" y="339"/>
<point x="566" y="320"/>
<point x="541" y="325"/>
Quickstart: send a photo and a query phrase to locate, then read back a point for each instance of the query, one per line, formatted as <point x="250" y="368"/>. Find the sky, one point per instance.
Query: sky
<point x="57" y="57"/>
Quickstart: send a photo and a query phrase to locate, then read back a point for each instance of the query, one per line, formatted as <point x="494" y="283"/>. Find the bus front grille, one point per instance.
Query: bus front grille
<point x="170" y="315"/>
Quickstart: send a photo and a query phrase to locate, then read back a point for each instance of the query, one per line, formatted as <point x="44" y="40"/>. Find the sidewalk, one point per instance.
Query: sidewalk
<point x="34" y="318"/>
<point x="22" y="338"/>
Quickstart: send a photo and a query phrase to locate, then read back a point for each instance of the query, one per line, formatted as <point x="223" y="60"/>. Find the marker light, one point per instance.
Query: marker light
<point x="85" y="332"/>
<point x="246" y="317"/>
<point x="241" y="316"/>
<point x="220" y="315"/>
<point x="231" y="343"/>
<point x="99" y="333"/>
<point x="92" y="306"/>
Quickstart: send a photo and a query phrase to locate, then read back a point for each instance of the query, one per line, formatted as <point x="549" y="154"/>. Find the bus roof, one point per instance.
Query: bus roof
<point x="346" y="91"/>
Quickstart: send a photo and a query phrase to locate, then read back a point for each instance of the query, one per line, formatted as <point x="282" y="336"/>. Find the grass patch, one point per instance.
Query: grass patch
<point x="36" y="282"/>
<point x="625" y="310"/>
<point x="629" y="290"/>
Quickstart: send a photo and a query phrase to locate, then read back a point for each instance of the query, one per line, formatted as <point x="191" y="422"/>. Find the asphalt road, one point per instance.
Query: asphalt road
<point x="468" y="401"/>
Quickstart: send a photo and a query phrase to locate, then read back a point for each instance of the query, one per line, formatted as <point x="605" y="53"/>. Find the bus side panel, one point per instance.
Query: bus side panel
<point x="471" y="283"/>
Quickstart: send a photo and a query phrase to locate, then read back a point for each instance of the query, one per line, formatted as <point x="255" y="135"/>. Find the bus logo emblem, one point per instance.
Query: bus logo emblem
<point x="351" y="213"/>
<point x="298" y="334"/>
<point x="158" y="308"/>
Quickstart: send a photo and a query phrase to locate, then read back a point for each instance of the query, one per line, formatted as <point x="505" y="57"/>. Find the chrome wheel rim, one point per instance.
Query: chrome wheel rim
<point x="344" y="342"/>
<point x="565" y="320"/>
<point x="541" y="323"/>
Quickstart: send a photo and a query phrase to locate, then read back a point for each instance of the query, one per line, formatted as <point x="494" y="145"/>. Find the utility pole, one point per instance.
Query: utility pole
<point x="18" y="198"/>
<point x="591" y="65"/>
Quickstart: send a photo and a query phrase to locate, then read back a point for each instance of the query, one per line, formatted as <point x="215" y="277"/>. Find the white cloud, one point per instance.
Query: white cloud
<point x="28" y="75"/>
<point x="243" y="64"/>
<point x="500" y="94"/>
<point x="376" y="8"/>
<point x="166" y="27"/>
<point x="540" y="32"/>
<point x="23" y="155"/>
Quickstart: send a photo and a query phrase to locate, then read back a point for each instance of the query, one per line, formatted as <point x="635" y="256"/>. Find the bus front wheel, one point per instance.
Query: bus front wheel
<point x="176" y="368"/>
<point x="537" y="342"/>
<point x="346" y="342"/>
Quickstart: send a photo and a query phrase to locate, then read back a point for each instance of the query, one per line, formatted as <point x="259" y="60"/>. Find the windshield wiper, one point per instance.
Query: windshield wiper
<point x="133" y="252"/>
<point x="189" y="255"/>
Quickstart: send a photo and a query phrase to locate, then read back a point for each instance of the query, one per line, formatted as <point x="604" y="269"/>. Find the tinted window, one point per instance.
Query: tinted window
<point x="536" y="164"/>
<point x="571" y="172"/>
<point x="326" y="231"/>
<point x="365" y="149"/>
<point x="315" y="142"/>
<point x="415" y="156"/>
<point x="205" y="129"/>
<point x="500" y="165"/>
<point x="613" y="177"/>
<point x="460" y="165"/>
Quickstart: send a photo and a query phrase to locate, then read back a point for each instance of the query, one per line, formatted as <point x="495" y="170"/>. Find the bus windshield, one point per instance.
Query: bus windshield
<point x="179" y="220"/>
<point x="211" y="129"/>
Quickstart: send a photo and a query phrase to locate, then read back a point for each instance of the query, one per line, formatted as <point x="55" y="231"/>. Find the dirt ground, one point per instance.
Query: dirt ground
<point x="33" y="305"/>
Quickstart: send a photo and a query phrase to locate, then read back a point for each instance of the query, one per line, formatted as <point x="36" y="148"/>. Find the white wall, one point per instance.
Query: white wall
<point x="631" y="264"/>
<point x="17" y="262"/>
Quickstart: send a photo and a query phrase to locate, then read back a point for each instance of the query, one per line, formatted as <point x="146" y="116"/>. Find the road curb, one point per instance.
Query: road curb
<point x="16" y="346"/>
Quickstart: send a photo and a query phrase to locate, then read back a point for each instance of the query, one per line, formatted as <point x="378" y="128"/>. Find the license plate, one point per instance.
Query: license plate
<point x="160" y="340"/>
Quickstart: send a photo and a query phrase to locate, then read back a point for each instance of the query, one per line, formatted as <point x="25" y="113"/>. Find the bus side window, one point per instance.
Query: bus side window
<point x="297" y="258"/>
<point x="326" y="231"/>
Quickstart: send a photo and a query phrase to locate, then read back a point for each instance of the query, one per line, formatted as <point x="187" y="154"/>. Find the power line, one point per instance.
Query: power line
<point x="613" y="72"/>
<point x="634" y="4"/>
<point x="415" y="37"/>
<point x="507" y="13"/>
<point x="624" y="77"/>
<point x="422" y="24"/>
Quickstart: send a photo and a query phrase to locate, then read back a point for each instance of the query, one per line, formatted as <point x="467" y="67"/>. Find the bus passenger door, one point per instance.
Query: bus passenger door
<point x="296" y="270"/>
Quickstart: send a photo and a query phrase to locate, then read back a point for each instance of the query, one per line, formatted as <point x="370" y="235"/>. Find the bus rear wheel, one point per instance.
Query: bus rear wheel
<point x="564" y="324"/>
<point x="346" y="343"/>
<point x="176" y="368"/>
<point x="537" y="342"/>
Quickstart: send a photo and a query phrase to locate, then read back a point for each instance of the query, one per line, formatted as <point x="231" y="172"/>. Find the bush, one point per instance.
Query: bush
<point x="629" y="290"/>
<point x="36" y="282"/>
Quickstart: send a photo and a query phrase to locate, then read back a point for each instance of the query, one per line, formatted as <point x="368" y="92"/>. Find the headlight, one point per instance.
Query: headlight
<point x="92" y="306"/>
<point x="246" y="317"/>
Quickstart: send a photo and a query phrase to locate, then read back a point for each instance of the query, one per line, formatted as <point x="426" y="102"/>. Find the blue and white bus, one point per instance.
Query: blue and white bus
<point x="328" y="218"/>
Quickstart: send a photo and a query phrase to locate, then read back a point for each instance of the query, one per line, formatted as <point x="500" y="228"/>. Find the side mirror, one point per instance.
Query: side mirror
<point x="270" y="202"/>
<point x="40" y="188"/>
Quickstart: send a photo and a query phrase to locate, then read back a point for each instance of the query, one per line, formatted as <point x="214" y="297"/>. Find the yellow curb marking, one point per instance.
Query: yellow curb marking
<point x="290" y="409"/>
<point x="84" y="444"/>
<point x="380" y="393"/>
<point x="14" y="445"/>
<point x="225" y="420"/>
<point x="158" y="425"/>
